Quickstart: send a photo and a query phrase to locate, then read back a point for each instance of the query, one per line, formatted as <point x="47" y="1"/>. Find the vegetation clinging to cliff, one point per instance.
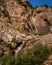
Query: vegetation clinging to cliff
<point x="35" y="56"/>
<point x="27" y="2"/>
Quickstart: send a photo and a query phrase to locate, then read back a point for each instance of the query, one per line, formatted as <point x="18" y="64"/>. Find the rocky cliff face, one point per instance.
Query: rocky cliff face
<point x="20" y="21"/>
<point x="30" y="19"/>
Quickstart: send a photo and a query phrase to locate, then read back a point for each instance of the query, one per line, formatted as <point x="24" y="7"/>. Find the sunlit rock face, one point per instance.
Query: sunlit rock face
<point x="30" y="19"/>
<point x="40" y="24"/>
<point x="18" y="12"/>
<point x="24" y="18"/>
<point x="42" y="19"/>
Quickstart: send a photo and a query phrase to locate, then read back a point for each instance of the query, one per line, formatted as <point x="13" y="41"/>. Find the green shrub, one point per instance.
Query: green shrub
<point x="51" y="63"/>
<point x="14" y="40"/>
<point x="7" y="60"/>
<point x="40" y="34"/>
<point x="19" y="1"/>
<point x="29" y="4"/>
<point x="34" y="56"/>
<point x="2" y="41"/>
<point x="51" y="50"/>
<point x="46" y="6"/>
